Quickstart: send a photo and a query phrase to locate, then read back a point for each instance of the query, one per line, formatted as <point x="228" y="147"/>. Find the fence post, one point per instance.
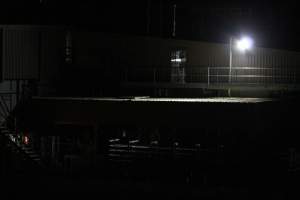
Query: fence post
<point x="208" y="75"/>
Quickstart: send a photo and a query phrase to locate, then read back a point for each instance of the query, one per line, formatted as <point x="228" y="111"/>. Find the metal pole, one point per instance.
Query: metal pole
<point x="230" y="58"/>
<point x="174" y="21"/>
<point x="208" y="75"/>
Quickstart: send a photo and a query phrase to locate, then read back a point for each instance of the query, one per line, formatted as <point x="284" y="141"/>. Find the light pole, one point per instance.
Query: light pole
<point x="230" y="58"/>
<point x="243" y="44"/>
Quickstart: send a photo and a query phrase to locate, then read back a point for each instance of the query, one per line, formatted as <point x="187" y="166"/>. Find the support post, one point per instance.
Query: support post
<point x="208" y="76"/>
<point x="230" y="59"/>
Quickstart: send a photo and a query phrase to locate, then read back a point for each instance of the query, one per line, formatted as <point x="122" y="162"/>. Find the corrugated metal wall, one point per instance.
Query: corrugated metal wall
<point x="217" y="55"/>
<point x="20" y="54"/>
<point x="149" y="52"/>
<point x="266" y="58"/>
<point x="145" y="54"/>
<point x="31" y="52"/>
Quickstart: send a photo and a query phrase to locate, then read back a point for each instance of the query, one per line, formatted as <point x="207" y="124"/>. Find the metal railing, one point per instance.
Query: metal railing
<point x="214" y="75"/>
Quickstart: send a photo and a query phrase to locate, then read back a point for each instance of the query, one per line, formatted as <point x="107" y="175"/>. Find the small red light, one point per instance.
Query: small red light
<point x="26" y="140"/>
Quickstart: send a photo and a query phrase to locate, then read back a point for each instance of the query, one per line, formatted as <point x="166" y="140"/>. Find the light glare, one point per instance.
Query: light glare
<point x="176" y="60"/>
<point x="244" y="44"/>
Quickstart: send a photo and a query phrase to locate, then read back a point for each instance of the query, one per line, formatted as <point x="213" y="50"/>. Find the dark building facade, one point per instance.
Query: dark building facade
<point x="57" y="111"/>
<point x="68" y="62"/>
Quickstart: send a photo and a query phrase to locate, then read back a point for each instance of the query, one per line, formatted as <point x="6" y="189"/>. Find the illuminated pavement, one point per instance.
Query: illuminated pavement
<point x="146" y="99"/>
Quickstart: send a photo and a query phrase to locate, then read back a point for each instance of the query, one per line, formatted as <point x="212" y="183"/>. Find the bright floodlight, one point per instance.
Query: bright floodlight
<point x="244" y="44"/>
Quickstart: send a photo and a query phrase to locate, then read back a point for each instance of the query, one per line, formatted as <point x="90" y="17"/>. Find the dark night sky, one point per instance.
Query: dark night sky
<point x="271" y="24"/>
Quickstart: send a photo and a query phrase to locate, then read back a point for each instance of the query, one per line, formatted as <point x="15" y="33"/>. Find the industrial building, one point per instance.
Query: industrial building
<point x="79" y="102"/>
<point x="108" y="64"/>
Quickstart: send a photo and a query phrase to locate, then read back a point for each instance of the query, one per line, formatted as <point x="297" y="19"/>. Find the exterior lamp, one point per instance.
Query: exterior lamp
<point x="243" y="44"/>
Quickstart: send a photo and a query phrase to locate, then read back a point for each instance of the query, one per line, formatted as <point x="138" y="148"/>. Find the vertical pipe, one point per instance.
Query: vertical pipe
<point x="208" y="75"/>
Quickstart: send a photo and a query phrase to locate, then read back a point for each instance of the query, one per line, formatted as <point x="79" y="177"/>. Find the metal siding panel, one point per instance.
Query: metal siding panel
<point x="277" y="56"/>
<point x="266" y="59"/>
<point x="290" y="60"/>
<point x="294" y="60"/>
<point x="260" y="59"/>
<point x="276" y="60"/>
<point x="256" y="58"/>
<point x="238" y="60"/>
<point x="21" y="54"/>
<point x="248" y="61"/>
<point x="252" y="61"/>
<point x="272" y="60"/>
<point x="267" y="56"/>
<point x="281" y="60"/>
<point x="263" y="59"/>
<point x="286" y="60"/>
